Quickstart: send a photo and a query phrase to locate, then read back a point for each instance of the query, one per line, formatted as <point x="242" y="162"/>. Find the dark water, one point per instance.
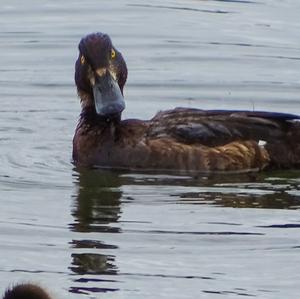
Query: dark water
<point x="102" y="234"/>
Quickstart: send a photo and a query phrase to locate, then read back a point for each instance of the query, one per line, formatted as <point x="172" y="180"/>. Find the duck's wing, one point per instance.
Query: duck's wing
<point x="219" y="127"/>
<point x="280" y="132"/>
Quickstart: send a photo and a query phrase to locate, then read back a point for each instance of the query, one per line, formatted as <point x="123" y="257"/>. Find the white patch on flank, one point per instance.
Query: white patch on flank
<point x="262" y="143"/>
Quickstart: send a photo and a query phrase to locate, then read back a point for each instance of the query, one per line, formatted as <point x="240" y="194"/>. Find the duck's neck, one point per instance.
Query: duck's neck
<point x="89" y="116"/>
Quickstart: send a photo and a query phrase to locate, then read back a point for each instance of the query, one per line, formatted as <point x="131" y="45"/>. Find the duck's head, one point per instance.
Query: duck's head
<point x="100" y="75"/>
<point x="26" y="291"/>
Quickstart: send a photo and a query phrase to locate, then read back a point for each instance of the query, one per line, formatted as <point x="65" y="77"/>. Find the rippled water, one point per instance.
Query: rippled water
<point x="93" y="233"/>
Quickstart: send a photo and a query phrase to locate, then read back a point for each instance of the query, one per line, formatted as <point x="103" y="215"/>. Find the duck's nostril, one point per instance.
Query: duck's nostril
<point x="114" y="108"/>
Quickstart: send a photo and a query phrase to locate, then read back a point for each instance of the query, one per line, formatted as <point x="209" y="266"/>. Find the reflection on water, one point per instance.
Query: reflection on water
<point x="92" y="263"/>
<point x="277" y="200"/>
<point x="250" y="191"/>
<point x="103" y="197"/>
<point x="98" y="202"/>
<point x="96" y="209"/>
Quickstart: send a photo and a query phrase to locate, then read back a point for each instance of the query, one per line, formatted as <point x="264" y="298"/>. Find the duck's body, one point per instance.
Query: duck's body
<point x="179" y="139"/>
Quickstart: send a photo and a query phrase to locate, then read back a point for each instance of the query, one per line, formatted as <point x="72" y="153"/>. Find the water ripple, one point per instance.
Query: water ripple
<point x="180" y="8"/>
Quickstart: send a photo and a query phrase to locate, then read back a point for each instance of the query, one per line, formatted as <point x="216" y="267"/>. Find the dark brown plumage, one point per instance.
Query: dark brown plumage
<point x="26" y="291"/>
<point x="179" y="139"/>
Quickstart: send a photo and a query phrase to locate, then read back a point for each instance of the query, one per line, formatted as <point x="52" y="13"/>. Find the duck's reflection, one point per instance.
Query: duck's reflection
<point x="96" y="209"/>
<point x="93" y="263"/>
<point x="98" y="202"/>
<point x="274" y="200"/>
<point x="273" y="190"/>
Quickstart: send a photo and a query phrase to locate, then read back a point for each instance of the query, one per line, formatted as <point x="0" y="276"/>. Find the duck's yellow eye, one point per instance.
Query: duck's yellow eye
<point x="82" y="59"/>
<point x="113" y="53"/>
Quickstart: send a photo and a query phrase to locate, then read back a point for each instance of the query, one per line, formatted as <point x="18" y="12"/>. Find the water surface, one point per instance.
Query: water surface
<point x="107" y="234"/>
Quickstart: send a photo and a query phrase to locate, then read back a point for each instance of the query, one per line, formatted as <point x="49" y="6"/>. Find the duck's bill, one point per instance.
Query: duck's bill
<point x="109" y="101"/>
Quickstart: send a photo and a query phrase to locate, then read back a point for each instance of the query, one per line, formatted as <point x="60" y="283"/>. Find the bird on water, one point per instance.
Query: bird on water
<point x="181" y="139"/>
<point x="26" y="291"/>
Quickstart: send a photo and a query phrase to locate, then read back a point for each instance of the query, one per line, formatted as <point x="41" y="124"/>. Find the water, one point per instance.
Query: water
<point x="102" y="234"/>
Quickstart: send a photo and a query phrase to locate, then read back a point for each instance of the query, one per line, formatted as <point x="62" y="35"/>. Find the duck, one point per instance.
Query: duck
<point x="26" y="291"/>
<point x="179" y="139"/>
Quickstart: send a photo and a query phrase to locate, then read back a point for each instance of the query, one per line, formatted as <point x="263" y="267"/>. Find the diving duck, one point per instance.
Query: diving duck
<point x="181" y="139"/>
<point x="26" y="291"/>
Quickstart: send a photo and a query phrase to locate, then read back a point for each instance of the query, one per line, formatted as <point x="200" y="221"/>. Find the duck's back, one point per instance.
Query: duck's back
<point x="277" y="133"/>
<point x="219" y="127"/>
